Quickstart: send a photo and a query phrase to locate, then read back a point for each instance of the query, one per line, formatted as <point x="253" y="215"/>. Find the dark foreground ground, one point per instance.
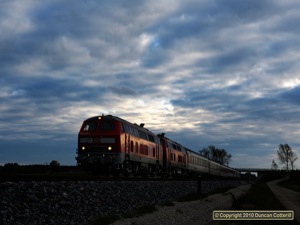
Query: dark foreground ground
<point x="258" y="197"/>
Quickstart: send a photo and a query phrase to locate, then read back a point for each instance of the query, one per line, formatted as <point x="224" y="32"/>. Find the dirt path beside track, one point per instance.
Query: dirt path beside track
<point x="289" y="199"/>
<point x="190" y="213"/>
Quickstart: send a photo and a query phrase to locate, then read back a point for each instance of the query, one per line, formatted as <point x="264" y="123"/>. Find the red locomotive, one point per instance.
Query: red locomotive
<point x="112" y="145"/>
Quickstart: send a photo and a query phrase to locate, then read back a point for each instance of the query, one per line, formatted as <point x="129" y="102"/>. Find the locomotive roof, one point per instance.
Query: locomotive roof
<point x="168" y="139"/>
<point x="110" y="117"/>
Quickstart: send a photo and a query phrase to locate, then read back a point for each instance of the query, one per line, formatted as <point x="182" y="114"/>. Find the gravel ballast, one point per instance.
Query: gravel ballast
<point x="80" y="202"/>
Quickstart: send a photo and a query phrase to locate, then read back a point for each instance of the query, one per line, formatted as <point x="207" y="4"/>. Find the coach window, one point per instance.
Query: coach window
<point x="180" y="159"/>
<point x="141" y="148"/>
<point x="131" y="146"/>
<point x="136" y="147"/>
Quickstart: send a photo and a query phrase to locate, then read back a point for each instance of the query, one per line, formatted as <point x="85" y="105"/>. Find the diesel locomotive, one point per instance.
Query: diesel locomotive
<point x="111" y="145"/>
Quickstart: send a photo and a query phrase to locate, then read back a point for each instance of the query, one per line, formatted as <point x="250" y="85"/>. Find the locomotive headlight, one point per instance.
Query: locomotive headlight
<point x="109" y="148"/>
<point x="83" y="148"/>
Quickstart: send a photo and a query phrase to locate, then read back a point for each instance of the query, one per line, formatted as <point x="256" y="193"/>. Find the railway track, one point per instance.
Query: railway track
<point x="81" y="177"/>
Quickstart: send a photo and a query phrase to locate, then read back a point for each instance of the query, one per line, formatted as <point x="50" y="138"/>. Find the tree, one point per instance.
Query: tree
<point x="274" y="165"/>
<point x="286" y="155"/>
<point x="227" y="159"/>
<point x="293" y="158"/>
<point x="11" y="168"/>
<point x="283" y="154"/>
<point x="54" y="165"/>
<point x="208" y="151"/>
<point x="218" y="155"/>
<point x="221" y="156"/>
<point x="205" y="152"/>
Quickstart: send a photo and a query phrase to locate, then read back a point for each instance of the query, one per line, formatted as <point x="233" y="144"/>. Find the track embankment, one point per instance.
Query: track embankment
<point x="80" y="202"/>
<point x="191" y="213"/>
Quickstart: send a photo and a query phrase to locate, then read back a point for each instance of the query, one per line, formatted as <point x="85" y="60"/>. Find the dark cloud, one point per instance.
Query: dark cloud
<point x="291" y="96"/>
<point x="206" y="22"/>
<point x="153" y="57"/>
<point x="123" y="90"/>
<point x="227" y="61"/>
<point x="249" y="11"/>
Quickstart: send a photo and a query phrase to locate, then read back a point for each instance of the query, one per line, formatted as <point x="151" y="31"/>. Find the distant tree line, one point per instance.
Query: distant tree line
<point x="215" y="154"/>
<point x="15" y="168"/>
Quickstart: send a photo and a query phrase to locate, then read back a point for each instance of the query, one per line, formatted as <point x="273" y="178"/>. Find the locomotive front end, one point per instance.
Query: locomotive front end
<point x="99" y="144"/>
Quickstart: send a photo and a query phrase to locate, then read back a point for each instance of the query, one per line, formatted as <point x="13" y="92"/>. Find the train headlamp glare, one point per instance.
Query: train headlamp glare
<point x="109" y="148"/>
<point x="83" y="148"/>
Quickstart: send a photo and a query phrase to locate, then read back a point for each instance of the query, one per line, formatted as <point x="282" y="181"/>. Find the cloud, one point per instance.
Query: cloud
<point x="123" y="90"/>
<point x="292" y="95"/>
<point x="203" y="72"/>
<point x="15" y="23"/>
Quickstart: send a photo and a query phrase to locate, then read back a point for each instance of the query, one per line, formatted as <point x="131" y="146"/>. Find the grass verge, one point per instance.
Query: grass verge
<point x="293" y="183"/>
<point x="290" y="185"/>
<point x="260" y="197"/>
<point x="150" y="209"/>
<point x="106" y="220"/>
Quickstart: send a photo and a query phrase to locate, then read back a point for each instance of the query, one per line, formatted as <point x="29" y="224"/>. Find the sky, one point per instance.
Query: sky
<point x="222" y="73"/>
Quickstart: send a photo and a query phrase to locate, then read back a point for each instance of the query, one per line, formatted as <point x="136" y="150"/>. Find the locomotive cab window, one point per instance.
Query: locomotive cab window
<point x="90" y="126"/>
<point x="107" y="126"/>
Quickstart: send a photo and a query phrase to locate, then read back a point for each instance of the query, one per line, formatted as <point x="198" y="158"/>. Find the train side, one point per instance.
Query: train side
<point x="197" y="164"/>
<point x="174" y="157"/>
<point x="112" y="145"/>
